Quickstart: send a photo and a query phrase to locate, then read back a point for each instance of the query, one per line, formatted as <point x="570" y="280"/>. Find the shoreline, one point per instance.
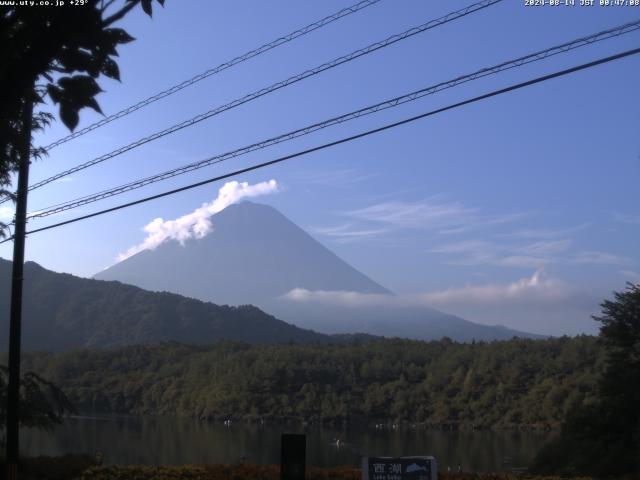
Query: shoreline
<point x="385" y="424"/>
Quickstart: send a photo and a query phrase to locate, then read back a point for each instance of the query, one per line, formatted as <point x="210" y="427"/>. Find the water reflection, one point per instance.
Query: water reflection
<point x="178" y="441"/>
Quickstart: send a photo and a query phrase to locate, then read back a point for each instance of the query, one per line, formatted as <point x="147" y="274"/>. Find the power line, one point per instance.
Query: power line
<point x="276" y="86"/>
<point x="524" y="60"/>
<point x="212" y="71"/>
<point x="493" y="93"/>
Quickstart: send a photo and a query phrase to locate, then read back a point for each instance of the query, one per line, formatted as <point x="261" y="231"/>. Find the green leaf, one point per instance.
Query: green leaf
<point x="146" y="6"/>
<point x="79" y="86"/>
<point x="80" y="60"/>
<point x="69" y="116"/>
<point x="92" y="103"/>
<point x="110" y="69"/>
<point x="75" y="93"/>
<point x="55" y="93"/>
<point x="107" y="43"/>
<point x="118" y="35"/>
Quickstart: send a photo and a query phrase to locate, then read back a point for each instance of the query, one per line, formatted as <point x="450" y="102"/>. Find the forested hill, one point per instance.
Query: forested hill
<point x="62" y="311"/>
<point x="498" y="384"/>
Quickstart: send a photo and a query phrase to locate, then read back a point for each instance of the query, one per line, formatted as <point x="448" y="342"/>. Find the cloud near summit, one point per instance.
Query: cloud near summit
<point x="197" y="224"/>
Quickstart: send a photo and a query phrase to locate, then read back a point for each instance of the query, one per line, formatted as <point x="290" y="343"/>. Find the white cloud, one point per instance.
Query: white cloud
<point x="545" y="248"/>
<point x="522" y="261"/>
<point x="597" y="258"/>
<point x="530" y="255"/>
<point x="341" y="297"/>
<point x="387" y="217"/>
<point x="543" y="233"/>
<point x="488" y="249"/>
<point x="537" y="303"/>
<point x="633" y="219"/>
<point x="336" y="178"/>
<point x="482" y="252"/>
<point x="536" y="289"/>
<point x="475" y="247"/>
<point x="453" y="230"/>
<point x="197" y="224"/>
<point x="347" y="232"/>
<point x="421" y="215"/>
<point x="431" y="214"/>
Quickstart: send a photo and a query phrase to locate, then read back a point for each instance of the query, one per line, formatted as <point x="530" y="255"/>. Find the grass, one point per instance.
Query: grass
<point x="260" y="472"/>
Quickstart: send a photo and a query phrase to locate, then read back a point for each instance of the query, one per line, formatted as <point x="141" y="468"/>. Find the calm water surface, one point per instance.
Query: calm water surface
<point x="179" y="441"/>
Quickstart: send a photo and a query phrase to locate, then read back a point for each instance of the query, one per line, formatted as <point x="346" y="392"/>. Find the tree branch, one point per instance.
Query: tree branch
<point x="120" y="13"/>
<point x="104" y="6"/>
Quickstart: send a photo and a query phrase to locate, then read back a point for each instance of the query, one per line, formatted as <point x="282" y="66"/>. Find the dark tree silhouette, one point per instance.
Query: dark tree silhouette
<point x="603" y="438"/>
<point x="54" y="53"/>
<point x="43" y="404"/>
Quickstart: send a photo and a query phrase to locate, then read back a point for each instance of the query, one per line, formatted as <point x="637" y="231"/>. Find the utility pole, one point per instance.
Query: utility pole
<point x="15" y="325"/>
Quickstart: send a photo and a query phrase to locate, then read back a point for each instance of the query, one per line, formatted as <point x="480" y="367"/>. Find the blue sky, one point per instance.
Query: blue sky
<point x="520" y="210"/>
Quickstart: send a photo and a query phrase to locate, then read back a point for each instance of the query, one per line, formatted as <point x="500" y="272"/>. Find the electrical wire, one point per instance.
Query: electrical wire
<point x="391" y="103"/>
<point x="367" y="133"/>
<point x="212" y="71"/>
<point x="276" y="86"/>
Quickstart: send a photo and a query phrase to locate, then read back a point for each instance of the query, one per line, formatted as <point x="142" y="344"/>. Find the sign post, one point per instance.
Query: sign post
<point x="293" y="457"/>
<point x="399" y="468"/>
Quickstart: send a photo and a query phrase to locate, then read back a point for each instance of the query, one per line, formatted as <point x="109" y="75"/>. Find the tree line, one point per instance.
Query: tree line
<point x="503" y="384"/>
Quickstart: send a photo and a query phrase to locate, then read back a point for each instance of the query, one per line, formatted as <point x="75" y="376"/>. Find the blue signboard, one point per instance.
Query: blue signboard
<point x="399" y="468"/>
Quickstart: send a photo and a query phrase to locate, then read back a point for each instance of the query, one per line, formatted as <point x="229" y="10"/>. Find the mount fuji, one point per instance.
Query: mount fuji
<point x="255" y="255"/>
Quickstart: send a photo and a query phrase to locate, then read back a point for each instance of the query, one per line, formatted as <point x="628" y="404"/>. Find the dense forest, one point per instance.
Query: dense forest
<point x="467" y="385"/>
<point x="62" y="312"/>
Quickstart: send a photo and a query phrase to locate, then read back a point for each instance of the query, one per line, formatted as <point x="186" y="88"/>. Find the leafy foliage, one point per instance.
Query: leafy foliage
<point x="59" y="53"/>
<point x="602" y="437"/>
<point x="500" y="384"/>
<point x="53" y="468"/>
<point x="38" y="46"/>
<point x="263" y="472"/>
<point x="42" y="404"/>
<point x="62" y="311"/>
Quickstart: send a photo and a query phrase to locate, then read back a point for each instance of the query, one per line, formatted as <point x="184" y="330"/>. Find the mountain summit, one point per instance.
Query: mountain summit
<point x="255" y="255"/>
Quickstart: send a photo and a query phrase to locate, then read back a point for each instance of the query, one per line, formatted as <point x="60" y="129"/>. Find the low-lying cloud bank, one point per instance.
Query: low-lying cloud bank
<point x="537" y="289"/>
<point x="197" y="224"/>
<point x="537" y="304"/>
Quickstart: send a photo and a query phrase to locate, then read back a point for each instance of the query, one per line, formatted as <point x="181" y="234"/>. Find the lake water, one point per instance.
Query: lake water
<point x="179" y="441"/>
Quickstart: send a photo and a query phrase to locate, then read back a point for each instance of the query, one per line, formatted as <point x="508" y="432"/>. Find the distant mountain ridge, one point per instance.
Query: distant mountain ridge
<point x="62" y="311"/>
<point x="255" y="255"/>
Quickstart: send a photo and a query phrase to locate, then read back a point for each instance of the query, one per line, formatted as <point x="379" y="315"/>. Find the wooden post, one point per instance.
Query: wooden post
<point x="292" y="457"/>
<point x="15" y="325"/>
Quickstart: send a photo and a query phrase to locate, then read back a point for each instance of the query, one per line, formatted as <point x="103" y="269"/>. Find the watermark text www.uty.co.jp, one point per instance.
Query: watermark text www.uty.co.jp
<point x="43" y="3"/>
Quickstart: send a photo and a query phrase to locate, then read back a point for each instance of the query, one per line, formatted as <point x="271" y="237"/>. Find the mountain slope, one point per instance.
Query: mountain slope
<point x="414" y="322"/>
<point x="62" y="311"/>
<point x="255" y="255"/>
